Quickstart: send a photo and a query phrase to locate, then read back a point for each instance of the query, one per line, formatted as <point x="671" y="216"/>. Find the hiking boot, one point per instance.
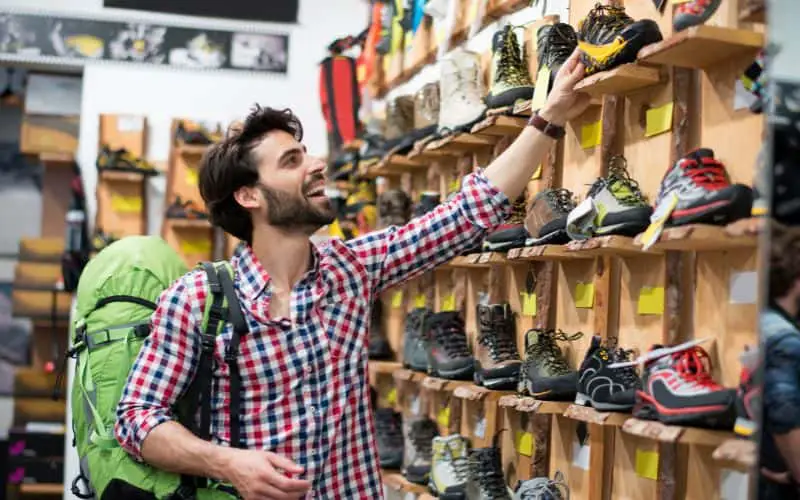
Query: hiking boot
<point x="399" y="119"/>
<point x="389" y="435"/>
<point x="704" y="191"/>
<point x="195" y="135"/>
<point x="461" y="91"/>
<point x="512" y="233"/>
<point x="394" y="208"/>
<point x="486" y="478"/>
<point x="545" y="373"/>
<point x="180" y="209"/>
<point x="543" y="488"/>
<point x="604" y="388"/>
<point x="428" y="200"/>
<point x="419" y="450"/>
<point x="102" y="239"/>
<point x="748" y="397"/>
<point x="415" y="344"/>
<point x="497" y="362"/>
<point x="511" y="82"/>
<point x="379" y="348"/>
<point x="554" y="44"/>
<point x="426" y="108"/>
<point x="608" y="38"/>
<point x="375" y="147"/>
<point x="546" y="218"/>
<point x="693" y="13"/>
<point x="614" y="205"/>
<point x="678" y="389"/>
<point x="450" y="467"/>
<point x="121" y="160"/>
<point x="755" y="81"/>
<point x="448" y="353"/>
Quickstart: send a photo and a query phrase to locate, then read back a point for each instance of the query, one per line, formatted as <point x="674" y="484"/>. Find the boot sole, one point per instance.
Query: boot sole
<point x="584" y="400"/>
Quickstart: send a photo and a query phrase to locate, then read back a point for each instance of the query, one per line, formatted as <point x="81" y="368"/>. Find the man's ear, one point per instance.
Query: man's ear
<point x="249" y="197"/>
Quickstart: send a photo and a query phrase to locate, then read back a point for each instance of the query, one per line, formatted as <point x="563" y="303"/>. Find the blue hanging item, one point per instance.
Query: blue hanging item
<point x="417" y="13"/>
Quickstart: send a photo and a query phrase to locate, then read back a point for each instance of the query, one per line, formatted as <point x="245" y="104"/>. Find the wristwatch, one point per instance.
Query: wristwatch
<point x="545" y="127"/>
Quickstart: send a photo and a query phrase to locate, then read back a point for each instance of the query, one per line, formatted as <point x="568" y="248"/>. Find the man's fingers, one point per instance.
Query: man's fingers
<point x="289" y="484"/>
<point x="284" y="463"/>
<point x="571" y="62"/>
<point x="575" y="75"/>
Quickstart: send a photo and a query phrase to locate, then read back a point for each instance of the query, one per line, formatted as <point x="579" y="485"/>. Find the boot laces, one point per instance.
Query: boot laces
<point x="707" y="173"/>
<point x="560" y="42"/>
<point x="548" y="488"/>
<point x="451" y="335"/>
<point x="519" y="211"/>
<point x="546" y="350"/>
<point x="495" y="335"/>
<point x="604" y="17"/>
<point x="512" y="67"/>
<point x="627" y="374"/>
<point x="694" y="366"/>
<point x="390" y="427"/>
<point x="488" y="473"/>
<point x="561" y="199"/>
<point x="422" y="434"/>
<point x="454" y="453"/>
<point x="624" y="188"/>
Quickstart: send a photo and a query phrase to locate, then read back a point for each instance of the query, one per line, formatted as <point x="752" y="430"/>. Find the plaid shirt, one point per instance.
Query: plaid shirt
<point x="305" y="388"/>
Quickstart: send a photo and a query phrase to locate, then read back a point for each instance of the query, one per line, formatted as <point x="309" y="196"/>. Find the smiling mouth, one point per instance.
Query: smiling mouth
<point x="317" y="193"/>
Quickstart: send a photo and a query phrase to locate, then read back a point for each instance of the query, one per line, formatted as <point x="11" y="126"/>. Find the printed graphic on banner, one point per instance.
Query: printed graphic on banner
<point x="193" y="49"/>
<point x="259" y="52"/>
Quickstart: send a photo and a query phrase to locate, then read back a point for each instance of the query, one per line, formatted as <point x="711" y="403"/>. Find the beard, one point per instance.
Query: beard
<point x="293" y="212"/>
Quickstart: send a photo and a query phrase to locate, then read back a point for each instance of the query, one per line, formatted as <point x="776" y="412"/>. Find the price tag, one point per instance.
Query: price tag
<point x="658" y="120"/>
<point x="658" y="220"/>
<point x="191" y="177"/>
<point x="397" y="299"/>
<point x="647" y="464"/>
<point x="580" y="455"/>
<point x="415" y="405"/>
<point x="443" y="418"/>
<point x="130" y="123"/>
<point x="480" y="428"/>
<point x="541" y="88"/>
<point x="455" y="185"/>
<point x="591" y="134"/>
<point x="584" y="295"/>
<point x="196" y="247"/>
<point x="651" y="300"/>
<point x="391" y="397"/>
<point x="537" y="174"/>
<point x="126" y="204"/>
<point x="449" y="303"/>
<point x="528" y="304"/>
<point x="524" y="443"/>
<point x="419" y="301"/>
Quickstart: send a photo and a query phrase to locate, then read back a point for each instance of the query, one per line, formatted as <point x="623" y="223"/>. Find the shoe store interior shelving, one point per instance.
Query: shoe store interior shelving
<point x="613" y="299"/>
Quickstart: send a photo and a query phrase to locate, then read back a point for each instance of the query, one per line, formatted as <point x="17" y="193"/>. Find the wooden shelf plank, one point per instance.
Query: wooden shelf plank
<point x="109" y="175"/>
<point x="523" y="108"/>
<point x="41" y="249"/>
<point x="38" y="275"/>
<point x="658" y="431"/>
<point x="478" y="260"/>
<point x="406" y="375"/>
<point x="384" y="366"/>
<point x="619" y="246"/>
<point x="753" y="14"/>
<point x="702" y="47"/>
<point x="442" y="384"/>
<point x="739" y="451"/>
<point x="500" y="125"/>
<point x="41" y="489"/>
<point x="545" y="252"/>
<point x="526" y="404"/>
<point x="65" y="159"/>
<point x="461" y="144"/>
<point x="621" y="80"/>
<point x="397" y="482"/>
<point x="592" y="416"/>
<point x="394" y="164"/>
<point x="705" y="237"/>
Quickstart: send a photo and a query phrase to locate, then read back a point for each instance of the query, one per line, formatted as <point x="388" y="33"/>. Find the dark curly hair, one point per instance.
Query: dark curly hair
<point x="230" y="165"/>
<point x="784" y="259"/>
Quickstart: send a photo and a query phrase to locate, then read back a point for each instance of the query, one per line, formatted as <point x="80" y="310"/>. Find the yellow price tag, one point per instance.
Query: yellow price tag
<point x="524" y="443"/>
<point x="658" y="120"/>
<point x="449" y="303"/>
<point x="397" y="299"/>
<point x="419" y="301"/>
<point x="591" y="134"/>
<point x="441" y="34"/>
<point x="658" y="220"/>
<point x="537" y="174"/>
<point x="528" y="304"/>
<point x="191" y="177"/>
<point x="472" y="12"/>
<point x="391" y="397"/>
<point x="443" y="418"/>
<point x="540" y="90"/>
<point x="126" y="204"/>
<point x="651" y="300"/>
<point x="678" y="2"/>
<point x="196" y="247"/>
<point x="647" y="464"/>
<point x="584" y="295"/>
<point x="455" y="185"/>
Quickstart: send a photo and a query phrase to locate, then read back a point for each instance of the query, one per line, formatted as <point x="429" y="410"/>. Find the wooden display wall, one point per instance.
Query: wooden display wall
<point x="677" y="291"/>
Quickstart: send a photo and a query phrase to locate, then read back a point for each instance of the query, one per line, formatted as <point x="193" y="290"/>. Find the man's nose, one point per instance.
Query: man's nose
<point x="316" y="165"/>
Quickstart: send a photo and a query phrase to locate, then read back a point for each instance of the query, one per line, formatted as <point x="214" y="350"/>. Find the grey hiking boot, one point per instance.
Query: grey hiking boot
<point x="546" y="218"/>
<point x="394" y="208"/>
<point x="419" y="450"/>
<point x="426" y="107"/>
<point x="389" y="429"/>
<point x="543" y="488"/>
<point x="497" y="362"/>
<point x="379" y="347"/>
<point x="450" y="467"/>
<point x="415" y="344"/>
<point x="448" y="353"/>
<point x="545" y="371"/>
<point x="399" y="118"/>
<point x="554" y="44"/>
<point x="486" y="481"/>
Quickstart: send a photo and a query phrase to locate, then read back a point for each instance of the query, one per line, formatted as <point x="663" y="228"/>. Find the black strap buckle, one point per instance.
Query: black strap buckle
<point x="208" y="342"/>
<point x="231" y="353"/>
<point x="218" y="313"/>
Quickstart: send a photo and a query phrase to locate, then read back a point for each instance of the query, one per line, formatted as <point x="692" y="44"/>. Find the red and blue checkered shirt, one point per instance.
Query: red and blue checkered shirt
<point x="304" y="388"/>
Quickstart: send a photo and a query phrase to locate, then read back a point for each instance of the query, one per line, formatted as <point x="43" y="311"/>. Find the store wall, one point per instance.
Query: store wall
<point x="163" y="94"/>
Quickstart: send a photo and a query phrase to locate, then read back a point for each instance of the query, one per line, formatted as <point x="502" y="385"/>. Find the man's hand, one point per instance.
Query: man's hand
<point x="262" y="475"/>
<point x="563" y="103"/>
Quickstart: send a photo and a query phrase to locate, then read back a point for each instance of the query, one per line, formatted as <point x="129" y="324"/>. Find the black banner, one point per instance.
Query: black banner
<point x="275" y="11"/>
<point x="33" y="36"/>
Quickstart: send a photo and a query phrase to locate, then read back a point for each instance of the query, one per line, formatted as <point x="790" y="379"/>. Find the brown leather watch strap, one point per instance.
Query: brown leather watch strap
<point x="545" y="127"/>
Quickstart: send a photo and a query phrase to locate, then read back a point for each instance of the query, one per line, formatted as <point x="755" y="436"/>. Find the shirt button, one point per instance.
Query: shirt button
<point x="313" y="410"/>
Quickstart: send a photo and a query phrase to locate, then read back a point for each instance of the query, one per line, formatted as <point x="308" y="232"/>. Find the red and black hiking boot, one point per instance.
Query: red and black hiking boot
<point x="693" y="13"/>
<point x="678" y="389"/>
<point x="748" y="397"/>
<point x="704" y="191"/>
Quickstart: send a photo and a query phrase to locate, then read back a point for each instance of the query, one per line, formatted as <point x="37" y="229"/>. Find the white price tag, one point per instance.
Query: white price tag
<point x="130" y="123"/>
<point x="415" y="405"/>
<point x="743" y="288"/>
<point x="480" y="428"/>
<point x="733" y="485"/>
<point x="580" y="455"/>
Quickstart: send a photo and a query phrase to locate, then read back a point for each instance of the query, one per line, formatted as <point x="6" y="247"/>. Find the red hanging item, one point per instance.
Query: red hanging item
<point x="340" y="100"/>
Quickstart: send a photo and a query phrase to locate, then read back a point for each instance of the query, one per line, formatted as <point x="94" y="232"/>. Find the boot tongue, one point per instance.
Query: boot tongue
<point x="699" y="154"/>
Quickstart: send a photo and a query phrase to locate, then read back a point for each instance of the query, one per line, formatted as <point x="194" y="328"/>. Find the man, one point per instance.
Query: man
<point x="306" y="421"/>
<point x="780" y="336"/>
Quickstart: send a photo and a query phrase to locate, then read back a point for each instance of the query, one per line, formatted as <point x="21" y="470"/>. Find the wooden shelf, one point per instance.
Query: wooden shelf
<point x="41" y="250"/>
<point x="545" y="252"/>
<point x="621" y="80"/>
<point x="738" y="451"/>
<point x="523" y="108"/>
<point x="477" y="260"/>
<point x="500" y="125"/>
<point x="384" y="366"/>
<point x="394" y="164"/>
<point x="526" y="404"/>
<point x="39" y="275"/>
<point x="39" y="303"/>
<point x="66" y="159"/>
<point x="619" y="246"/>
<point x="406" y="375"/>
<point x="110" y="175"/>
<point x="701" y="47"/>
<point x="41" y="489"/>
<point x="189" y="223"/>
<point x="704" y="237"/>
<point x="442" y="384"/>
<point x="592" y="416"/>
<point x="397" y="482"/>
<point x="754" y="14"/>
<point x="460" y="144"/>
<point x="658" y="431"/>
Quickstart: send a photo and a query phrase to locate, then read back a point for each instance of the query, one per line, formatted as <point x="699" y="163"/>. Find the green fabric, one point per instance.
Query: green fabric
<point x="139" y="266"/>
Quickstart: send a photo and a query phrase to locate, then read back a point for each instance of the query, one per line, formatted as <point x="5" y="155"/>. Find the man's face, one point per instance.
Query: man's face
<point x="291" y="190"/>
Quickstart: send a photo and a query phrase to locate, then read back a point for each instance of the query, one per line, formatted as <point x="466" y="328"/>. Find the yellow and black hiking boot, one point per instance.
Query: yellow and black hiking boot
<point x="608" y="37"/>
<point x="511" y="81"/>
<point x="121" y="160"/>
<point x="196" y="135"/>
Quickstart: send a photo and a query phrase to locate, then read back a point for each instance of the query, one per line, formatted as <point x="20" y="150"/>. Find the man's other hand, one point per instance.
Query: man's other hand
<point x="262" y="475"/>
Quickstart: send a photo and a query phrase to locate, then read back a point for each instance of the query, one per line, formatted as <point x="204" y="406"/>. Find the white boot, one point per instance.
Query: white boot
<point x="461" y="91"/>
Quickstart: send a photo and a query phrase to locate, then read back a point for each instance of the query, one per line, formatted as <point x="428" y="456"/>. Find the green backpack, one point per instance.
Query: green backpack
<point x="116" y="296"/>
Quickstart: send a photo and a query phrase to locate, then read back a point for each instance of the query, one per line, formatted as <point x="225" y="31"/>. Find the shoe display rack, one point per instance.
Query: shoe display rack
<point x="599" y="298"/>
<point x="121" y="187"/>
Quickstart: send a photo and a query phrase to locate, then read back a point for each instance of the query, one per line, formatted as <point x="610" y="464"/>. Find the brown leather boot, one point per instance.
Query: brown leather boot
<point x="497" y="361"/>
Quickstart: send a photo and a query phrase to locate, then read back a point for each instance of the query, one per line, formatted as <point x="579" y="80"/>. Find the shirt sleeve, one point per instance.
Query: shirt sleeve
<point x="782" y="386"/>
<point x="164" y="366"/>
<point x="397" y="254"/>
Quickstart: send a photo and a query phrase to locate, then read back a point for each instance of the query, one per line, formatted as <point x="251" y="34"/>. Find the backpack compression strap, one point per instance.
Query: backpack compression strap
<point x="232" y="354"/>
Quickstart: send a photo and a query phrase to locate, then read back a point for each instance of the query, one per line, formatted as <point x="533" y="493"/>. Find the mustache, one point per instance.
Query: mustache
<point x="313" y="183"/>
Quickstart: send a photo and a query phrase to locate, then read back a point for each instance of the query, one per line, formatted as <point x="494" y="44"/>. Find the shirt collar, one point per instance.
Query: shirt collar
<point x="253" y="279"/>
